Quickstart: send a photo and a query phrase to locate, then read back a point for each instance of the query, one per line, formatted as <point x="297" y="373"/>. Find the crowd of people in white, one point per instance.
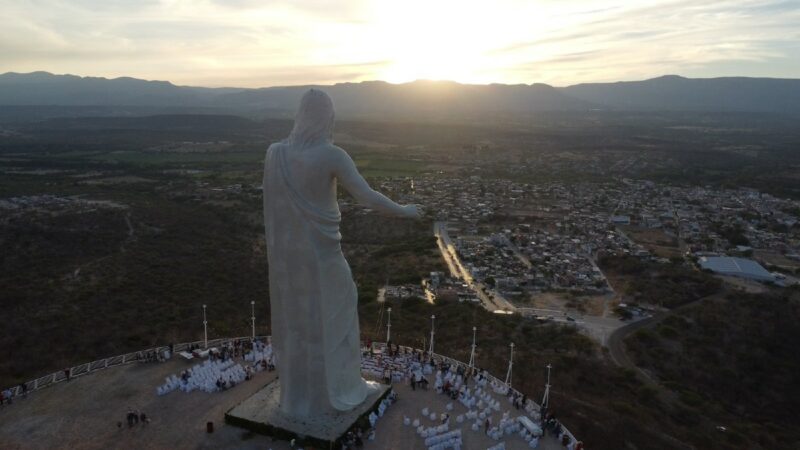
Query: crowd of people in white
<point x="220" y="371"/>
<point x="479" y="395"/>
<point x="476" y="398"/>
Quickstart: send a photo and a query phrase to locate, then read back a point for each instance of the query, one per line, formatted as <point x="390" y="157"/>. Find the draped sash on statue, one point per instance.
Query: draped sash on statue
<point x="315" y="331"/>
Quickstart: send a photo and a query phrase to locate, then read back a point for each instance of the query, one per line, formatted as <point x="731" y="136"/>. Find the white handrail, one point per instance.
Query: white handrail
<point x="492" y="379"/>
<point x="127" y="358"/>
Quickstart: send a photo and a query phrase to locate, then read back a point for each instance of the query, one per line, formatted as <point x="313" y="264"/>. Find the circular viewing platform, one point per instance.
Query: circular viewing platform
<point x="89" y="411"/>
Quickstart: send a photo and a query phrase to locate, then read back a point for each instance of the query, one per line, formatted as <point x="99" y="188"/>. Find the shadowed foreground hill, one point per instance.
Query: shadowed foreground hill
<point x="737" y="356"/>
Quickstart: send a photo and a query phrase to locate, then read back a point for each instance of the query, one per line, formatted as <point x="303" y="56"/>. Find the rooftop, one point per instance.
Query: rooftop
<point x="727" y="265"/>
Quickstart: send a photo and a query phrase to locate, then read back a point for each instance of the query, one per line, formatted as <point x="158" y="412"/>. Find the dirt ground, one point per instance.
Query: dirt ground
<point x="593" y="305"/>
<point x="750" y="286"/>
<point x="655" y="240"/>
<point x="776" y="259"/>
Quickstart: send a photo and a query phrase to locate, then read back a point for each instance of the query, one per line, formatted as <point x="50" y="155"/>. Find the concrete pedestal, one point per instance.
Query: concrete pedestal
<point x="260" y="413"/>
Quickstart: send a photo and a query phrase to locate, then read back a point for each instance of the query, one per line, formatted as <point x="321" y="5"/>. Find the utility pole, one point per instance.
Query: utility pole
<point x="472" y="353"/>
<point x="389" y="326"/>
<point x="253" y="318"/>
<point x="510" y="365"/>
<point x="433" y="332"/>
<point x="205" y="328"/>
<point x="546" y="398"/>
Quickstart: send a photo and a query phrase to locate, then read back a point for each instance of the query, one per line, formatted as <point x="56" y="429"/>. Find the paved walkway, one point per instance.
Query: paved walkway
<point x="392" y="434"/>
<point x="83" y="413"/>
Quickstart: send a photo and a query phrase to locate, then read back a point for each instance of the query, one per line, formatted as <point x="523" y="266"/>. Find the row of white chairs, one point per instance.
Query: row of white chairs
<point x="450" y="439"/>
<point x="426" y="432"/>
<point x="533" y="441"/>
<point x="204" y="377"/>
<point x="373" y="418"/>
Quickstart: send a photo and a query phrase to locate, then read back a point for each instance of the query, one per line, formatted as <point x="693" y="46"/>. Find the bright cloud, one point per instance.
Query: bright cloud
<point x="264" y="43"/>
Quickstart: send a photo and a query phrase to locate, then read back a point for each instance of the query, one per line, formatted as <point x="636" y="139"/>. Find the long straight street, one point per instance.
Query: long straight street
<point x="492" y="303"/>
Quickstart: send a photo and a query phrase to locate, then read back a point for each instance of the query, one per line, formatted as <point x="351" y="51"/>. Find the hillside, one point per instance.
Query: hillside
<point x="675" y="93"/>
<point x="415" y="100"/>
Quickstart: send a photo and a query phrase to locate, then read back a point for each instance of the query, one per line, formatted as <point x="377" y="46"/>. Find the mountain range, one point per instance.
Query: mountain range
<point x="415" y="99"/>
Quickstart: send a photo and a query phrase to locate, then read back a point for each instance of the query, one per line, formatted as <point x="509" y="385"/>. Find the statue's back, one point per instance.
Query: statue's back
<point x="312" y="294"/>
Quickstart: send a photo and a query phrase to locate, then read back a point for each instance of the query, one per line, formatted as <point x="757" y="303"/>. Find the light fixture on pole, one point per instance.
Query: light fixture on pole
<point x="389" y="326"/>
<point x="253" y="318"/>
<point x="472" y="353"/>
<point x="546" y="397"/>
<point x="433" y="318"/>
<point x="510" y="365"/>
<point x="205" y="328"/>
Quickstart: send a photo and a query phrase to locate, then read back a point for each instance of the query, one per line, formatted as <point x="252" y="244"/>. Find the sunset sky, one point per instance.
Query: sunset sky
<point x="252" y="43"/>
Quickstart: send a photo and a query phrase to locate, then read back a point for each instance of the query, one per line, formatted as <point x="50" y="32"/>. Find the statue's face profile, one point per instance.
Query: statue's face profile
<point x="313" y="123"/>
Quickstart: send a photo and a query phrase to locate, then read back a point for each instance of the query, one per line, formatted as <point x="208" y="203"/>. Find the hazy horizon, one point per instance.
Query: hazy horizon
<point x="245" y="43"/>
<point x="423" y="80"/>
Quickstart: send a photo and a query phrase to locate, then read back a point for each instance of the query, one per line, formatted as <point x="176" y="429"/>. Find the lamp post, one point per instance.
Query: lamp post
<point x="510" y="365"/>
<point x="205" y="328"/>
<point x="546" y="397"/>
<point x="433" y="319"/>
<point x="472" y="353"/>
<point x="253" y="318"/>
<point x="389" y="326"/>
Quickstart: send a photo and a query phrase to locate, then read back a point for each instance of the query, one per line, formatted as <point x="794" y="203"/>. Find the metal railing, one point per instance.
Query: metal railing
<point x="141" y="356"/>
<point x="492" y="379"/>
<point x="127" y="358"/>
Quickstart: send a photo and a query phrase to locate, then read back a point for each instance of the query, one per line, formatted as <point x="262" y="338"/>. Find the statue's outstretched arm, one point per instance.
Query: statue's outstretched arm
<point x="348" y="175"/>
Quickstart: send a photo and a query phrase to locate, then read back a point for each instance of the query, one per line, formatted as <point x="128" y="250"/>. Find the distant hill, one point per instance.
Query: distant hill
<point x="676" y="93"/>
<point x="415" y="99"/>
<point x="189" y="122"/>
<point x="42" y="88"/>
<point x="438" y="98"/>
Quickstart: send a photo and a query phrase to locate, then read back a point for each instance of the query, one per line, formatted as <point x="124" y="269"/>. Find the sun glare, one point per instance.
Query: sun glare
<point x="447" y="40"/>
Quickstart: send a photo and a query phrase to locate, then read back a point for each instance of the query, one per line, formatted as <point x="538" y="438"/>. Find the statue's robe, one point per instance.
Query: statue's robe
<point x="315" y="330"/>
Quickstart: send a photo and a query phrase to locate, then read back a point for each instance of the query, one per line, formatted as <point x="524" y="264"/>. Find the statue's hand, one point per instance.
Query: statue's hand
<point x="412" y="211"/>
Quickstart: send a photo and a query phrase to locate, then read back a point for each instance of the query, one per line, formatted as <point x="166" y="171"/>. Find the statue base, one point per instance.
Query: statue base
<point x="260" y="413"/>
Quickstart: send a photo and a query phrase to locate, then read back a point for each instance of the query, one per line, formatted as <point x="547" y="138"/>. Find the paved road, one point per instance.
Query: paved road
<point x="599" y="328"/>
<point x="616" y="344"/>
<point x="522" y="258"/>
<point x="457" y="269"/>
<point x="616" y="347"/>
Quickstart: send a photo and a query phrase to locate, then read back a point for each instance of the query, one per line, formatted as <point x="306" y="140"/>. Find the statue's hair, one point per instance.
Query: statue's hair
<point x="314" y="121"/>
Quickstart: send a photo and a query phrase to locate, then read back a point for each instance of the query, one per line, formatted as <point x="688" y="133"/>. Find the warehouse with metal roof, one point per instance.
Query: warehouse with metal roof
<point x="736" y="267"/>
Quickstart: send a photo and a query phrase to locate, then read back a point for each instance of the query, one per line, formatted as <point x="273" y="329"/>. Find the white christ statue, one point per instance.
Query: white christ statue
<point x="315" y="331"/>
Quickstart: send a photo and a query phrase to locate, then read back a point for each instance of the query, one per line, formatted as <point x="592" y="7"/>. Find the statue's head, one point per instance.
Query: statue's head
<point x="313" y="123"/>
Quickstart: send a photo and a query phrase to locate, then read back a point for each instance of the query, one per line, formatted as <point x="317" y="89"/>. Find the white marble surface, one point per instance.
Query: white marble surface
<point x="312" y="294"/>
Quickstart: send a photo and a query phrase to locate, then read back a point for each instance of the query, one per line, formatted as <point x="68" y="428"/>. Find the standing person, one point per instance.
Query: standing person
<point x="24" y="387"/>
<point x="68" y="373"/>
<point x="313" y="297"/>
